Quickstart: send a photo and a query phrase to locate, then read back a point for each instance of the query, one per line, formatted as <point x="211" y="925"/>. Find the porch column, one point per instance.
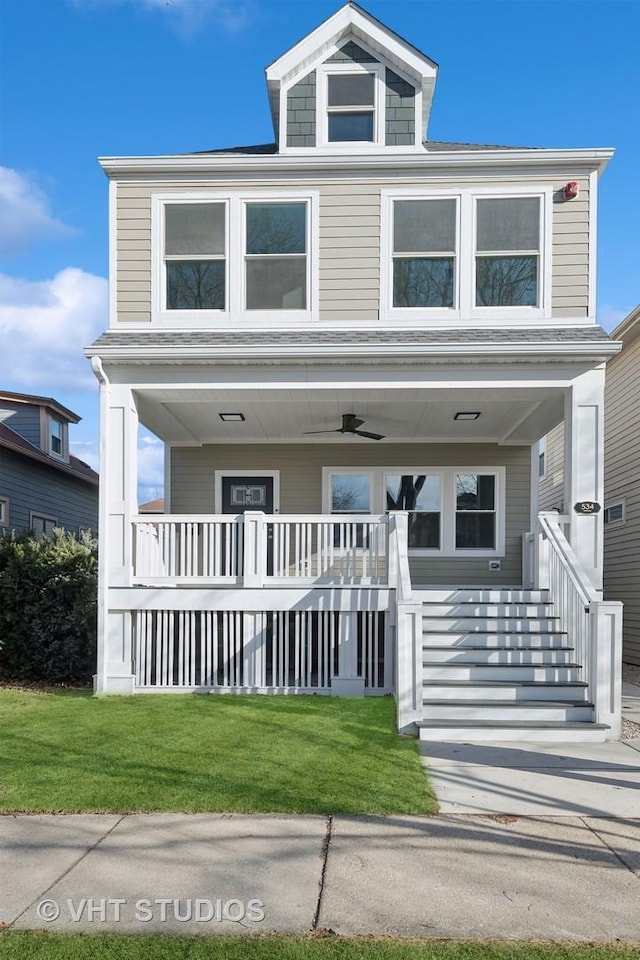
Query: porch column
<point x="583" y="468"/>
<point x="118" y="503"/>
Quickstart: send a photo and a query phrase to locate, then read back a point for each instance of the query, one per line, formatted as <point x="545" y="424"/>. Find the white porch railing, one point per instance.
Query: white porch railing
<point x="255" y="550"/>
<point x="408" y="625"/>
<point x="593" y="626"/>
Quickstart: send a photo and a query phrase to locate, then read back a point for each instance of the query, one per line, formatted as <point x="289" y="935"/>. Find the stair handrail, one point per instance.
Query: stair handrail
<point x="549" y="525"/>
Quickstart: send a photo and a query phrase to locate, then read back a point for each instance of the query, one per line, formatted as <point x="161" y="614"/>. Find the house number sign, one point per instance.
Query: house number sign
<point x="587" y="507"/>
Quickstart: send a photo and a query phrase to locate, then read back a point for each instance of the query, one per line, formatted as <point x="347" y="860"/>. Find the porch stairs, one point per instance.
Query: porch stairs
<point x="496" y="666"/>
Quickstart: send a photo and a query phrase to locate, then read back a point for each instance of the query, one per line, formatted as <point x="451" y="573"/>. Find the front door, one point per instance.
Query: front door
<point x="241" y="493"/>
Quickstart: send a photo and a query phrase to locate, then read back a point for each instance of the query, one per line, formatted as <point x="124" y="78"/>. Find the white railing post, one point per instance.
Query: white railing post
<point x="255" y="565"/>
<point x="409" y="665"/>
<point x="392" y="547"/>
<point x="542" y="560"/>
<point x="347" y="683"/>
<point x="605" y="650"/>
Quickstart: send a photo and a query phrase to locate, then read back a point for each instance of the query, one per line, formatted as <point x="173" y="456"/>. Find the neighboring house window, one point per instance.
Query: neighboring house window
<point x="42" y="526"/>
<point x="351" y="100"/>
<point x="233" y="256"/>
<point x="467" y="253"/>
<point x="507" y="252"/>
<point x="57" y="444"/>
<point x="452" y="511"/>
<point x="542" y="457"/>
<point x="424" y="249"/>
<point x="614" y="513"/>
<point x="194" y="249"/>
<point x="4" y="511"/>
<point x="276" y="256"/>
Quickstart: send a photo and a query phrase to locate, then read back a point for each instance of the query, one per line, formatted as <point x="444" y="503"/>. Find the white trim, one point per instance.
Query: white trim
<point x="448" y="506"/>
<point x="4" y="511"/>
<point x="464" y="308"/>
<point x="340" y="68"/>
<point x="534" y="488"/>
<point x="592" y="309"/>
<point x="235" y="204"/>
<point x="219" y="474"/>
<point x="167" y="478"/>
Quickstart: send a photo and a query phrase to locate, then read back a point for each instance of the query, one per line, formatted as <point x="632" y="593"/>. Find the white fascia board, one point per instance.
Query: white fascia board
<point x="507" y="352"/>
<point x="194" y="164"/>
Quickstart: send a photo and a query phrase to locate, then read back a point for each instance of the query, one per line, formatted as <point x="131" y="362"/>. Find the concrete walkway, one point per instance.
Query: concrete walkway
<point x="505" y="877"/>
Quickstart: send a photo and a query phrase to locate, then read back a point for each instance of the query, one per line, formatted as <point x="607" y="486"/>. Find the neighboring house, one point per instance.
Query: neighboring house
<point x="42" y="485"/>
<point x="621" y="481"/>
<point x="351" y="342"/>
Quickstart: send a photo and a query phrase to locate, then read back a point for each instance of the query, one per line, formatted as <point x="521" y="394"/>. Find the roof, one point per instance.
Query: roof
<point x="152" y="506"/>
<point x="629" y="329"/>
<point x="33" y="399"/>
<point x="431" y="146"/>
<point x="77" y="468"/>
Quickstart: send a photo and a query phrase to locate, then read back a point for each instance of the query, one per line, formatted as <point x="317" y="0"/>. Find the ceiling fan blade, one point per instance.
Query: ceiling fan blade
<point x="308" y="433"/>
<point x="365" y="433"/>
<point x="350" y="422"/>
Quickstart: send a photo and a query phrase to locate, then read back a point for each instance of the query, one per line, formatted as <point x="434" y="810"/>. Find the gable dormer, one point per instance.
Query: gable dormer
<point x="351" y="84"/>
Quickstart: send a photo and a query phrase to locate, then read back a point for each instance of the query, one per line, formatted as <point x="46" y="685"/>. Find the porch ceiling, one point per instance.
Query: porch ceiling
<point x="187" y="416"/>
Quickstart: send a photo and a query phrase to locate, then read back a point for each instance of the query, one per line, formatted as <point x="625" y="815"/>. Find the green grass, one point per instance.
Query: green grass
<point x="38" y="946"/>
<point x="71" y="752"/>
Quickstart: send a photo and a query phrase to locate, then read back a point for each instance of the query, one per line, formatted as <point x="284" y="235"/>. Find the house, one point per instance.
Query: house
<point x="621" y="506"/>
<point x="351" y="342"/>
<point x="42" y="484"/>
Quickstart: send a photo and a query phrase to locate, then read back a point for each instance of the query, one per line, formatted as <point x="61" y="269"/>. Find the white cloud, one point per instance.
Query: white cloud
<point x="150" y="463"/>
<point x="86" y="450"/>
<point x="188" y="15"/>
<point x="25" y="213"/>
<point x="610" y="317"/>
<point x="44" y="326"/>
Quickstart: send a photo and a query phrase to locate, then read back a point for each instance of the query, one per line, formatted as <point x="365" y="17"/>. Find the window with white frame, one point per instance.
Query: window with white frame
<point x="424" y="252"/>
<point x="235" y="254"/>
<point x="57" y="437"/>
<point x="452" y="511"/>
<point x="4" y="511"/>
<point x="468" y="253"/>
<point x="507" y="257"/>
<point x="195" y="256"/>
<point x="351" y="104"/>
<point x="614" y="513"/>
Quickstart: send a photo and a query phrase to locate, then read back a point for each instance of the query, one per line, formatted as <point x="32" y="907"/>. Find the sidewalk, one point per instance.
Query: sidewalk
<point x="505" y="877"/>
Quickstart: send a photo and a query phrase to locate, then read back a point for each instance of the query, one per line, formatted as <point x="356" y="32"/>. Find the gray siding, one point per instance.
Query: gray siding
<point x="301" y="113"/>
<point x="349" y="242"/>
<point x="38" y="488"/>
<point x="351" y="52"/>
<point x="622" y="482"/>
<point x="300" y="466"/>
<point x="23" y="419"/>
<point x="400" y="113"/>
<point x="551" y="491"/>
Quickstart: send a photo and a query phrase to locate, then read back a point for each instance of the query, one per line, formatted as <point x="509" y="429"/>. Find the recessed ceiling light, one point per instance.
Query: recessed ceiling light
<point x="466" y="415"/>
<point x="231" y="417"/>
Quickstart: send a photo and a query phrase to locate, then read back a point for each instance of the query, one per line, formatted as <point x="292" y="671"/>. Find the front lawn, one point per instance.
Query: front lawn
<point x="71" y="752"/>
<point x="38" y="946"/>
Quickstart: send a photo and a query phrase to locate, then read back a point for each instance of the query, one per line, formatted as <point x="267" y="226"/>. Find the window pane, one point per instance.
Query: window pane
<point x="413" y="492"/>
<point x="56" y="436"/>
<point x="474" y="492"/>
<point x="350" y="494"/>
<point x="277" y="283"/>
<point x="351" y="90"/>
<point x="423" y="282"/>
<point x="475" y="530"/>
<point x="276" y="228"/>
<point x="509" y="224"/>
<point x="422" y="226"/>
<point x="424" y="530"/>
<point x="506" y="281"/>
<point x="196" y="285"/>
<point x="350" y="126"/>
<point x="194" y="229"/>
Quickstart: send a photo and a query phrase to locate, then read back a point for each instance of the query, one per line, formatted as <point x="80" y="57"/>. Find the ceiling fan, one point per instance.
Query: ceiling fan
<point x="350" y="424"/>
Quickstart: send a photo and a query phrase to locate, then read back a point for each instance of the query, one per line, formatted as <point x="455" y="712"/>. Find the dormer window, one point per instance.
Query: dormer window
<point x="57" y="437"/>
<point x="351" y="102"/>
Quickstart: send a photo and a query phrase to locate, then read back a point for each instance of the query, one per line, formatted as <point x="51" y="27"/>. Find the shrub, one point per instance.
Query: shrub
<point x="48" y="604"/>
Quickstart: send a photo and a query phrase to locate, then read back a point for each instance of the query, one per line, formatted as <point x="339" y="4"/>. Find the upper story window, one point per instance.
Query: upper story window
<point x="469" y="253"/>
<point x="234" y="255"/>
<point x="507" y="252"/>
<point x="57" y="437"/>
<point x="195" y="256"/>
<point x="351" y="101"/>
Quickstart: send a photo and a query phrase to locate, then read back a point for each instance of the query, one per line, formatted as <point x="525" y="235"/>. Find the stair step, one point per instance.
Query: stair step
<point x="533" y="673"/>
<point x="506" y="710"/>
<point x="479" y="655"/>
<point x="493" y="639"/>
<point x="491" y="624"/>
<point x="482" y="595"/>
<point x="490" y="691"/>
<point x="493" y="610"/>
<point x="540" y="731"/>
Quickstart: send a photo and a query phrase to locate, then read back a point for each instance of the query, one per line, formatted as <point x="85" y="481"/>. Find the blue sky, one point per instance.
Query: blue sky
<point x="87" y="78"/>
